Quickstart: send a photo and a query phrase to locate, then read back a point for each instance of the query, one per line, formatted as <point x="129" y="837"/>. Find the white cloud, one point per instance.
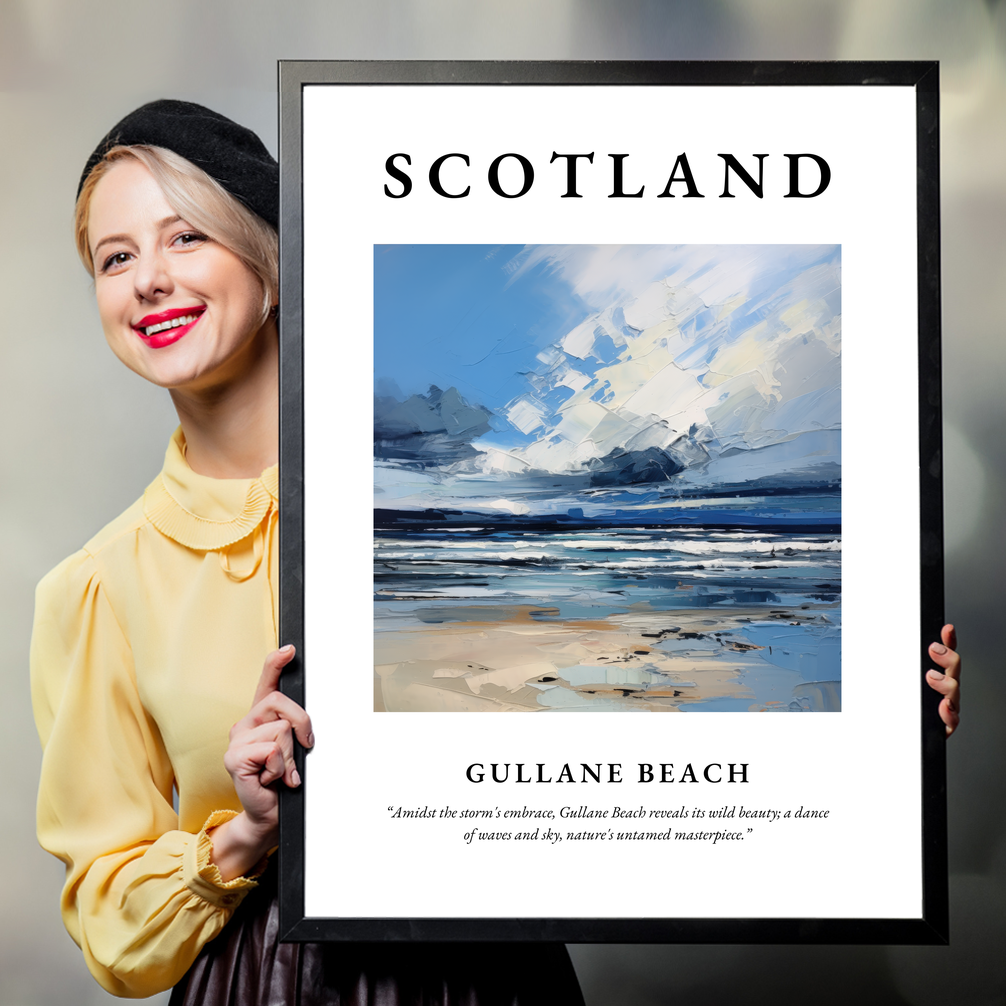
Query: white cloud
<point x="714" y="348"/>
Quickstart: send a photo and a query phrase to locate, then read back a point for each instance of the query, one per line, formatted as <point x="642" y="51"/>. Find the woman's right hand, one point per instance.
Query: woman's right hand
<point x="259" y="754"/>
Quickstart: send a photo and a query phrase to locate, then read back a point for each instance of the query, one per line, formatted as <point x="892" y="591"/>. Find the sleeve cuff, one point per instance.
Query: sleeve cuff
<point x="202" y="876"/>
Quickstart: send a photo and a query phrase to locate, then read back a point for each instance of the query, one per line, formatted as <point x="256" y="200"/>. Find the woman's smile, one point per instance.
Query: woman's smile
<point x="166" y="327"/>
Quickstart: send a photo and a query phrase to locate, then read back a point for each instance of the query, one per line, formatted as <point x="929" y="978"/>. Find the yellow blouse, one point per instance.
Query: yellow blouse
<point x="147" y="647"/>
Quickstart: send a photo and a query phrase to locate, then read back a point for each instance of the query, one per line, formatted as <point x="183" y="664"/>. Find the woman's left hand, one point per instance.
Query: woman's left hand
<point x="948" y="681"/>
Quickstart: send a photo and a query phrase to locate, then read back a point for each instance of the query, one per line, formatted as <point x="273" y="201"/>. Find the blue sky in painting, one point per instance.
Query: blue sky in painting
<point x="448" y="315"/>
<point x="551" y="375"/>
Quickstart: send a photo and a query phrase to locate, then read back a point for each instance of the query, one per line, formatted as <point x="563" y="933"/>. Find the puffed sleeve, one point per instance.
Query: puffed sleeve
<point x="141" y="898"/>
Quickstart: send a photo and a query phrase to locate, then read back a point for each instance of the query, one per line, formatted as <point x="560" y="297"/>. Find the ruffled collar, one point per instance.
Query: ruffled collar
<point x="203" y="513"/>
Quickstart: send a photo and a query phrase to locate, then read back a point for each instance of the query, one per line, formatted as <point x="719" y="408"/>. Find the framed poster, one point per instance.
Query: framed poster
<point x="643" y="359"/>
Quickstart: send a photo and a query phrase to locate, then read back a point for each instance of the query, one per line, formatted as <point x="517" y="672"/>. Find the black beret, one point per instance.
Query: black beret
<point x="230" y="154"/>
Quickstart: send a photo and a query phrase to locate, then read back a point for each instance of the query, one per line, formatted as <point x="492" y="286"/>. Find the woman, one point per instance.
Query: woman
<point x="149" y="642"/>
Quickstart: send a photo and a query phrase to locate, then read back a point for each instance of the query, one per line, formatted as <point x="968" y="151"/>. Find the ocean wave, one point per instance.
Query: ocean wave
<point x="624" y="543"/>
<point x="713" y="558"/>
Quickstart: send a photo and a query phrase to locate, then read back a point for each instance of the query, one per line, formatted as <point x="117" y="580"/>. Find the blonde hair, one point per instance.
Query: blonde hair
<point x="199" y="200"/>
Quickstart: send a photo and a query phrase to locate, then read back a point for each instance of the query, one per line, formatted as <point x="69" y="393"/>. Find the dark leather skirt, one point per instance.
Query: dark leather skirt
<point x="246" y="965"/>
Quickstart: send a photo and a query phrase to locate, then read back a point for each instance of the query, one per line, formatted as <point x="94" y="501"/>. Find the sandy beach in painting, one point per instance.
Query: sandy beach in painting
<point x="518" y="658"/>
<point x="522" y="614"/>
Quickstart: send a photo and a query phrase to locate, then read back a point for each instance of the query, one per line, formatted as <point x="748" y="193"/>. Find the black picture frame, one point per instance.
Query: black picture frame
<point x="932" y="926"/>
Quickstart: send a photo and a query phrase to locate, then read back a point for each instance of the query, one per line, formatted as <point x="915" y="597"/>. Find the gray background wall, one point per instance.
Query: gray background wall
<point x="82" y="436"/>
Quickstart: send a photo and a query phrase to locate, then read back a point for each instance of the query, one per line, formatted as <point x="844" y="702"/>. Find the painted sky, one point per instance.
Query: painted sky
<point x="525" y="378"/>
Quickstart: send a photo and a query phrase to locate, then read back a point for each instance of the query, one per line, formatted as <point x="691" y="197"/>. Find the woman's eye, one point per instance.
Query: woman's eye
<point x="190" y="238"/>
<point x="114" y="261"/>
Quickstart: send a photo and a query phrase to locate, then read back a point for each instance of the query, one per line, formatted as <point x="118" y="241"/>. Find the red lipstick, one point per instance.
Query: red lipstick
<point x="166" y="327"/>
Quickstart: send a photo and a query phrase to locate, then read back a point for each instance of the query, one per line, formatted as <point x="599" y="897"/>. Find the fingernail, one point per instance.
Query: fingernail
<point x="295" y="777"/>
<point x="936" y="675"/>
<point x="286" y="649"/>
<point x="310" y="740"/>
<point x="938" y="648"/>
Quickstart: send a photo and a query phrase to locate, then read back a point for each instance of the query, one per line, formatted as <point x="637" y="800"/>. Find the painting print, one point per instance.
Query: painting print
<point x="607" y="478"/>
